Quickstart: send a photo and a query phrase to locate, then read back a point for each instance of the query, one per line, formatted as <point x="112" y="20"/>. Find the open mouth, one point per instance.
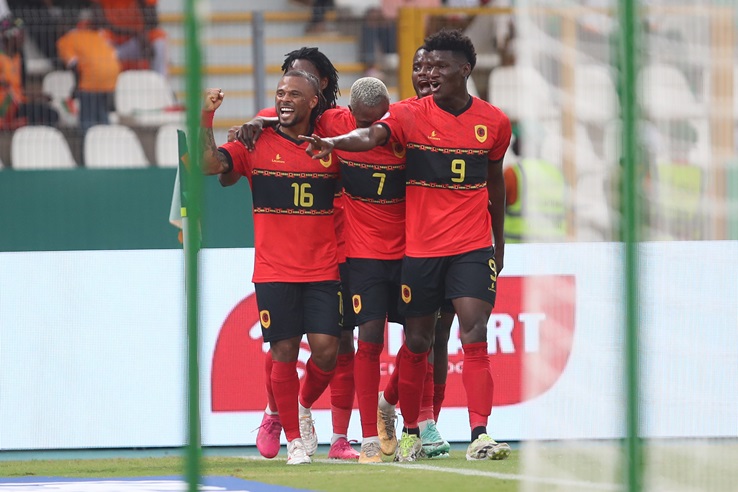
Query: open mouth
<point x="434" y="85"/>
<point x="286" y="111"/>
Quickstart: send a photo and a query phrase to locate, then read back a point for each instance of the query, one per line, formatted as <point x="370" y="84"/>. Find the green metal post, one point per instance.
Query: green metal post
<point x="630" y="197"/>
<point x="192" y="242"/>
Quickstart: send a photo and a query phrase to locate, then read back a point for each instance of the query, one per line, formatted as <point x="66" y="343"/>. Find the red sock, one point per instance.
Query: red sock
<point x="426" y="402"/>
<point x="268" y="370"/>
<point x="412" y="371"/>
<point x="390" y="390"/>
<point x="342" y="393"/>
<point x="477" y="378"/>
<point x="439" y="394"/>
<point x="366" y="376"/>
<point x="314" y="384"/>
<point x="284" y="377"/>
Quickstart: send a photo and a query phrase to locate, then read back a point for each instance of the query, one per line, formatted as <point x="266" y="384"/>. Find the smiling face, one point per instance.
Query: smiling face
<point x="295" y="99"/>
<point x="448" y="77"/>
<point x="421" y="69"/>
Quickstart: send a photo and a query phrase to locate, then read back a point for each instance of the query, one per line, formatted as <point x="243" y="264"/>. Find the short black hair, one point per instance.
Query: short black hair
<point x="324" y="66"/>
<point x="315" y="83"/>
<point x="454" y="41"/>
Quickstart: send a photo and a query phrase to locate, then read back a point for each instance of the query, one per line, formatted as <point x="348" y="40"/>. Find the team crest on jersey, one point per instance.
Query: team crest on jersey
<point x="277" y="158"/>
<point x="265" y="318"/>
<point x="356" y="301"/>
<point x="433" y="136"/>
<point x="398" y="150"/>
<point x="480" y="131"/>
<point x="327" y="161"/>
<point x="407" y="294"/>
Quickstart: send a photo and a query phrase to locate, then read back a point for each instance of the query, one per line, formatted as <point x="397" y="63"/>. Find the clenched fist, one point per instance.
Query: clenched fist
<point x="213" y="99"/>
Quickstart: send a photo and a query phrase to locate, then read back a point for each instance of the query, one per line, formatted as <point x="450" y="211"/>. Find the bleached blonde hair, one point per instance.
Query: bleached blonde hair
<point x="369" y="91"/>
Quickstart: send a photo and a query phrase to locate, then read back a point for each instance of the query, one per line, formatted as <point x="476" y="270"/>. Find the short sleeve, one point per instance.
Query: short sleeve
<point x="267" y="113"/>
<point x="504" y="133"/>
<point x="393" y="121"/>
<point x="334" y="121"/>
<point x="239" y="157"/>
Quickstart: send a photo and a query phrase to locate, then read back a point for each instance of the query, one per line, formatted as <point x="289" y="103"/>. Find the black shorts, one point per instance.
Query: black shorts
<point x="426" y="282"/>
<point x="447" y="306"/>
<point x="288" y="310"/>
<point x="347" y="312"/>
<point x="375" y="289"/>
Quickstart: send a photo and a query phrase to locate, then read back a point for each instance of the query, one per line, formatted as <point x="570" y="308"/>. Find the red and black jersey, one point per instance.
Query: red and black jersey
<point x="373" y="192"/>
<point x="294" y="236"/>
<point x="447" y="164"/>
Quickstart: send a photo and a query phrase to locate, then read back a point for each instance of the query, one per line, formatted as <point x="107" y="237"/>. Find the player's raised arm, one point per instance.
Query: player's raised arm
<point x="359" y="140"/>
<point x="213" y="162"/>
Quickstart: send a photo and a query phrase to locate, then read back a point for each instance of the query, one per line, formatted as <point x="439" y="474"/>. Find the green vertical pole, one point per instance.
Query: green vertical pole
<point x="193" y="188"/>
<point x="631" y="228"/>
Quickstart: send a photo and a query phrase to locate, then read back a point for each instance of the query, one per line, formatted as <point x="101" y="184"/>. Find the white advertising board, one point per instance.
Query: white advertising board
<point x="92" y="347"/>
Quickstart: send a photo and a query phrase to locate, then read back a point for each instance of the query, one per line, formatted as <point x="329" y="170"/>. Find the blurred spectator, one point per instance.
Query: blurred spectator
<point x="139" y="40"/>
<point x="379" y="32"/>
<point x="678" y="184"/>
<point x="88" y="51"/>
<point x="317" y="22"/>
<point x="15" y="109"/>
<point x="535" y="191"/>
<point x="46" y="20"/>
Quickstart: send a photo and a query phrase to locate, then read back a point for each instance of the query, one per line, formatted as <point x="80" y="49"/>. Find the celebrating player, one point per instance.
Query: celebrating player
<point x="455" y="145"/>
<point x="312" y="61"/>
<point x="296" y="266"/>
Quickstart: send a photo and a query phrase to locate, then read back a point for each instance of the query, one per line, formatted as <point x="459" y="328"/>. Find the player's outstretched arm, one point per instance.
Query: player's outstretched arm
<point x="213" y="162"/>
<point x="359" y="140"/>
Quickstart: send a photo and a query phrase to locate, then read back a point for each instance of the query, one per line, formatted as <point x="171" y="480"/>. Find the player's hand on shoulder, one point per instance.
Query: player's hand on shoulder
<point x="232" y="133"/>
<point x="249" y="132"/>
<point x="213" y="99"/>
<point x="318" y="148"/>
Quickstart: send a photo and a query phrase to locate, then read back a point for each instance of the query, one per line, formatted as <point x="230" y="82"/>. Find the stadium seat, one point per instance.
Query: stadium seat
<point x="113" y="146"/>
<point x="59" y="85"/>
<point x="595" y="94"/>
<point x="145" y="98"/>
<point x="522" y="92"/>
<point x="167" y="148"/>
<point x="40" y="147"/>
<point x="665" y="94"/>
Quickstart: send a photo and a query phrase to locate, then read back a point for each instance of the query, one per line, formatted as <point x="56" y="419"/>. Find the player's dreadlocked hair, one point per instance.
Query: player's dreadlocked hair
<point x="324" y="66"/>
<point x="315" y="83"/>
<point x="454" y="41"/>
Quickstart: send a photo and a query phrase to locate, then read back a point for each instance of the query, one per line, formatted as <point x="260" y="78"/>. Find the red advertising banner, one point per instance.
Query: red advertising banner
<point x="530" y="337"/>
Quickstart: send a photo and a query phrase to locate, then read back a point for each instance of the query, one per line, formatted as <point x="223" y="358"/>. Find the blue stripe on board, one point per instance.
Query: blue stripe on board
<point x="138" y="484"/>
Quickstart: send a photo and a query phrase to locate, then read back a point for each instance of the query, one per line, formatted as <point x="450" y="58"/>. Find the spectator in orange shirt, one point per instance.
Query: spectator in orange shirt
<point x="136" y="33"/>
<point x="88" y="50"/>
<point x="15" y="109"/>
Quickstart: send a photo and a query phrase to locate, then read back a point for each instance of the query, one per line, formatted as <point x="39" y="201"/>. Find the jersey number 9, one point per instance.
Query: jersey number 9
<point x="458" y="167"/>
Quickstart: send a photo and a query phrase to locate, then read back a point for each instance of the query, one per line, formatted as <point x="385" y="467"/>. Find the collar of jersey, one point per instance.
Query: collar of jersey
<point x="296" y="141"/>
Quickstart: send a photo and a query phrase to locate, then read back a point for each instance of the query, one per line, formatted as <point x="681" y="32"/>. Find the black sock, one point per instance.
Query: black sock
<point x="478" y="431"/>
<point x="412" y="430"/>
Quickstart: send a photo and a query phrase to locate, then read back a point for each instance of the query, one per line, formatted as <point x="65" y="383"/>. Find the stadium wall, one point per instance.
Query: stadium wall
<point x="101" y="209"/>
